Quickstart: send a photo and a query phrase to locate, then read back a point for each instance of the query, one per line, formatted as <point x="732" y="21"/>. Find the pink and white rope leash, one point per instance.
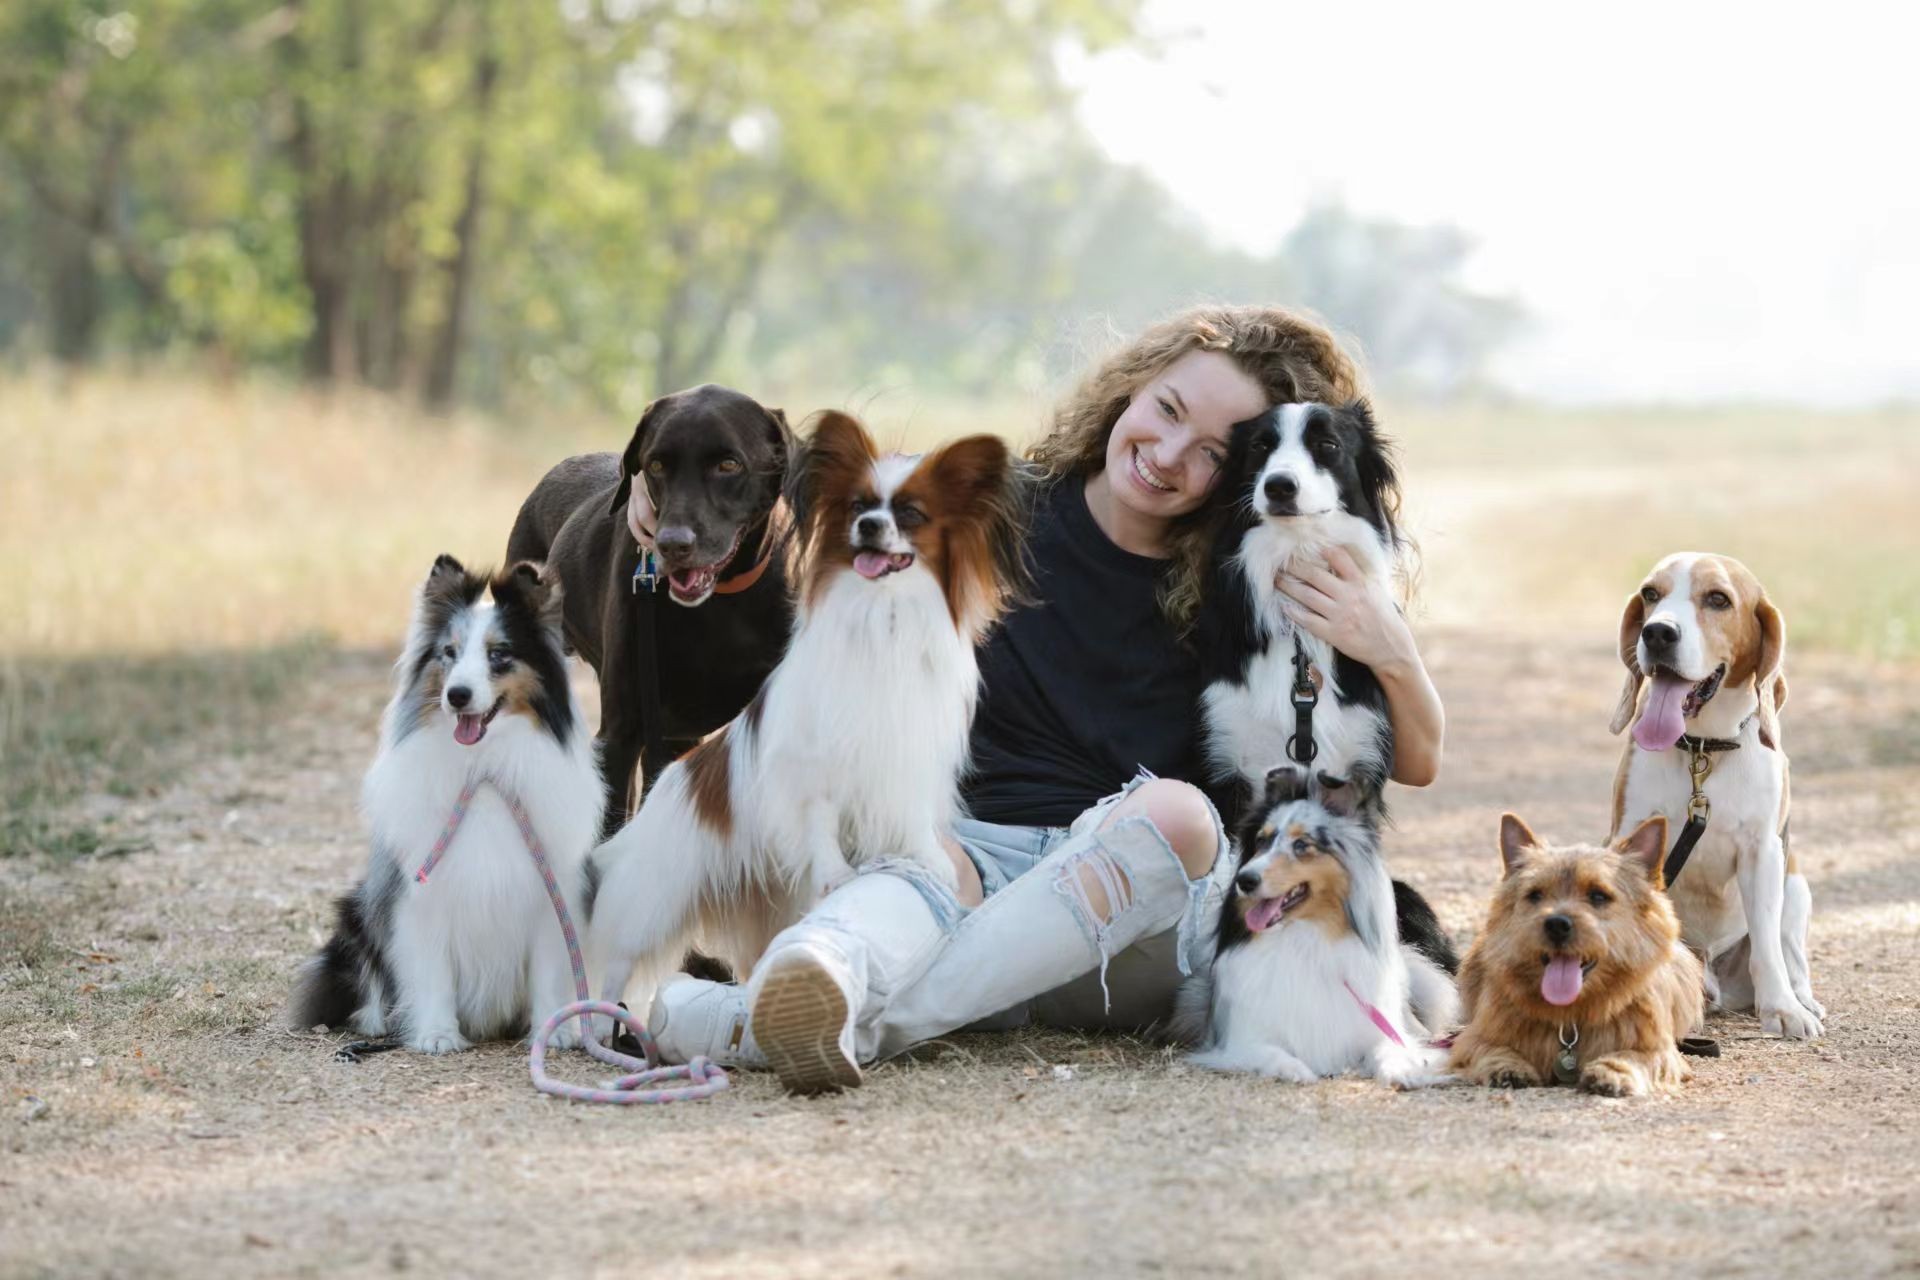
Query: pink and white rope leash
<point x="705" y="1077"/>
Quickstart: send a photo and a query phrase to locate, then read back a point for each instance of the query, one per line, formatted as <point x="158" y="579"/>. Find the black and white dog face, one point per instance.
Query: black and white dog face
<point x="470" y="658"/>
<point x="1300" y="461"/>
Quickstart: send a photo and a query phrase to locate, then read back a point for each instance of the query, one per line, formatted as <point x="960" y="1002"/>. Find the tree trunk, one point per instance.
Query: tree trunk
<point x="443" y="364"/>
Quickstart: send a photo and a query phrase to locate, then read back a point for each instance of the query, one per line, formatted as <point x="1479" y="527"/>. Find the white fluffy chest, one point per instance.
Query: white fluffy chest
<point x="1289" y="987"/>
<point x="868" y="713"/>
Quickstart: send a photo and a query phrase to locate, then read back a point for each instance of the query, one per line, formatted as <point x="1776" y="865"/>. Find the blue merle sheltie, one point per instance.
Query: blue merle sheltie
<point x="474" y="951"/>
<point x="1309" y="977"/>
<point x="1299" y="480"/>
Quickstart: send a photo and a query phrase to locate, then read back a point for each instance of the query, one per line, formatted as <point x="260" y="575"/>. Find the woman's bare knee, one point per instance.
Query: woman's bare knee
<point x="966" y="876"/>
<point x="1183" y="817"/>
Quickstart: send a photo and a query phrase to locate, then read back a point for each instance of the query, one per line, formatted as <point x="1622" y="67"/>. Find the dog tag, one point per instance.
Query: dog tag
<point x="646" y="574"/>
<point x="1566" y="1063"/>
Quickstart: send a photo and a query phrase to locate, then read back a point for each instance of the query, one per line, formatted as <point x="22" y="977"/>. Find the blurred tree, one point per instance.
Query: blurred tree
<point x="609" y="198"/>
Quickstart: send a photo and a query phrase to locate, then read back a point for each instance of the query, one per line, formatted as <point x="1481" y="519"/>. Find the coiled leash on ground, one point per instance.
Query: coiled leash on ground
<point x="704" y="1076"/>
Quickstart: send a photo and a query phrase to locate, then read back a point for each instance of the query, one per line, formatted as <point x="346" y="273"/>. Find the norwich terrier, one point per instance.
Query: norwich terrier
<point x="1579" y="976"/>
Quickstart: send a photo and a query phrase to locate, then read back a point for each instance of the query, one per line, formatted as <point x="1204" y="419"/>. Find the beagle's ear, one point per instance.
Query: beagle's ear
<point x="1630" y="623"/>
<point x="1770" y="677"/>
<point x="630" y="457"/>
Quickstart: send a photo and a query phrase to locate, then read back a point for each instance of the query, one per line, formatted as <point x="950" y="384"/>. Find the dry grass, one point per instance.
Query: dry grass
<point x="150" y="514"/>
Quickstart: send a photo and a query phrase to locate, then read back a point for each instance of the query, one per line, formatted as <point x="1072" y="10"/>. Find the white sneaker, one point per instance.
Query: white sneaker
<point x="691" y="1017"/>
<point x="802" y="1020"/>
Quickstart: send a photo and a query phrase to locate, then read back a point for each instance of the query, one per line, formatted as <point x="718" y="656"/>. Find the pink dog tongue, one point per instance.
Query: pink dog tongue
<point x="1661" y="724"/>
<point x="1561" y="982"/>
<point x="468" y="730"/>
<point x="870" y="564"/>
<point x="1264" y="913"/>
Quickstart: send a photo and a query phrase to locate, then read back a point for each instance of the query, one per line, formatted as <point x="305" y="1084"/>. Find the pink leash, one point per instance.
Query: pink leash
<point x="1379" y="1018"/>
<point x="704" y="1077"/>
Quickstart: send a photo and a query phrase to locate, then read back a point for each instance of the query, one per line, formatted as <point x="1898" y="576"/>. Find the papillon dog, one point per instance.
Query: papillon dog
<point x="1301" y="479"/>
<point x="853" y="748"/>
<point x="1308" y="977"/>
<point x="474" y="950"/>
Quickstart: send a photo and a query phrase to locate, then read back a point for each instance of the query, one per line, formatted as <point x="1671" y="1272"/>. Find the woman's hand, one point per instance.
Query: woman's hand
<point x="1356" y="615"/>
<point x="1341" y="605"/>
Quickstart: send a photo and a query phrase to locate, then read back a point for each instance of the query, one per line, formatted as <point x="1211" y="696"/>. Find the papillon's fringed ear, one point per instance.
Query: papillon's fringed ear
<point x="839" y="455"/>
<point x="1630" y="623"/>
<point x="1516" y="842"/>
<point x="1770" y="676"/>
<point x="1647" y="845"/>
<point x="630" y="456"/>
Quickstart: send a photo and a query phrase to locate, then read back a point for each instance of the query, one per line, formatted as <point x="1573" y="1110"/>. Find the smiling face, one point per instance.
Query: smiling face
<point x="1165" y="451"/>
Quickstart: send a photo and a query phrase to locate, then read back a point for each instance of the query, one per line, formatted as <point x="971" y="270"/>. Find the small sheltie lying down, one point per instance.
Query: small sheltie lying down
<point x="1309" y="978"/>
<point x="1579" y="976"/>
<point x="853" y="748"/>
<point x="475" y="952"/>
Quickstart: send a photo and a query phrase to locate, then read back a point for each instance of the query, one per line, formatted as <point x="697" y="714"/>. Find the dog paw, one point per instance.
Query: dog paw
<point x="1790" y="1019"/>
<point x="1811" y="1005"/>
<point x="1513" y="1078"/>
<point x="443" y="1041"/>
<point x="565" y="1036"/>
<point x="1293" y="1072"/>
<point x="1612" y="1079"/>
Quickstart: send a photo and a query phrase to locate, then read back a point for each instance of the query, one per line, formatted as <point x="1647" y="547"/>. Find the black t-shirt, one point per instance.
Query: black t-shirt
<point x="1085" y="686"/>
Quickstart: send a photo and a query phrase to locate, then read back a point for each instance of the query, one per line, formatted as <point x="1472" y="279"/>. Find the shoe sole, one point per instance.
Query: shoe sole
<point x="797" y="1019"/>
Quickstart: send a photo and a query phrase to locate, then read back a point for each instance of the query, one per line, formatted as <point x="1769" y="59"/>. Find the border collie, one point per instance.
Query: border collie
<point x="854" y="747"/>
<point x="1301" y="478"/>
<point x="473" y="952"/>
<point x="1308" y="977"/>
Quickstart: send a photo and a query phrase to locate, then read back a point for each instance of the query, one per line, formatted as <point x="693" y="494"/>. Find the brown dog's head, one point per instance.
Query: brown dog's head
<point x="1697" y="624"/>
<point x="712" y="462"/>
<point x="1575" y="932"/>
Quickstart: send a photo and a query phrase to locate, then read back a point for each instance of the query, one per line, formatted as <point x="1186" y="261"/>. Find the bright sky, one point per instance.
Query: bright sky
<point x="1694" y="200"/>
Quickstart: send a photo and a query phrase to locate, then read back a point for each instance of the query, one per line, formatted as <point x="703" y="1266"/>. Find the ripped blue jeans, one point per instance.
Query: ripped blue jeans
<point x="1036" y="950"/>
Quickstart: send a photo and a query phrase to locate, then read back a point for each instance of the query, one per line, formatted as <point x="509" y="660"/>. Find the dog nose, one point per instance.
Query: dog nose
<point x="1660" y="635"/>
<point x="1559" y="928"/>
<point x="1281" y="487"/>
<point x="1247" y="881"/>
<point x="459" y="696"/>
<point x="870" y="526"/>
<point x="675" y="540"/>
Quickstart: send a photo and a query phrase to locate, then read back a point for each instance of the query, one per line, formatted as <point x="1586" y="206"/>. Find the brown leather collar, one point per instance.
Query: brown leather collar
<point x="741" y="581"/>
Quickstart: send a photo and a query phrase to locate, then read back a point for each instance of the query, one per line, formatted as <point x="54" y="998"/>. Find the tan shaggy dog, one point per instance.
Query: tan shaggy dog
<point x="1579" y="976"/>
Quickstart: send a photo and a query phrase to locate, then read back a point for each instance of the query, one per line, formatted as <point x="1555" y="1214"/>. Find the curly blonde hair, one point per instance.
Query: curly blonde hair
<point x="1291" y="356"/>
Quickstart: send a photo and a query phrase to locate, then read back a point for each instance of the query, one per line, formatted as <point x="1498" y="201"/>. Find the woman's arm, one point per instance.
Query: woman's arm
<point x="1341" y="606"/>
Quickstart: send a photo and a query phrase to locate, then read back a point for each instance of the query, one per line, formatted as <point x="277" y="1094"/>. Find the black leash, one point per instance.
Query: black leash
<point x="1301" y="748"/>
<point x="645" y="588"/>
<point x="1700" y="753"/>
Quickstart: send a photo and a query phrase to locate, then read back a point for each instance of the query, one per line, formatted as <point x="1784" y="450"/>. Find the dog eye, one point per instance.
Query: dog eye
<point x="728" y="466"/>
<point x="1535" y="896"/>
<point x="448" y="652"/>
<point x="1599" y="898"/>
<point x="1718" y="600"/>
<point x="656" y="468"/>
<point x="863" y="504"/>
<point x="1650" y="595"/>
<point x="1326" y="448"/>
<point x="500" y="657"/>
<point x="909" y="517"/>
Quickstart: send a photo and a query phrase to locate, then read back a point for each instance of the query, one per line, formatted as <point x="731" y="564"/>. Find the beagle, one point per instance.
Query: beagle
<point x="1704" y="649"/>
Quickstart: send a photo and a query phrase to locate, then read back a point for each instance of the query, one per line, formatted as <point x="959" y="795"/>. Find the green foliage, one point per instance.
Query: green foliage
<point x="502" y="200"/>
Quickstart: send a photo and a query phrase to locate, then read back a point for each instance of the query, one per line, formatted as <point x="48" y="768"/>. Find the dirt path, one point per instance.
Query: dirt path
<point x="157" y="1122"/>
